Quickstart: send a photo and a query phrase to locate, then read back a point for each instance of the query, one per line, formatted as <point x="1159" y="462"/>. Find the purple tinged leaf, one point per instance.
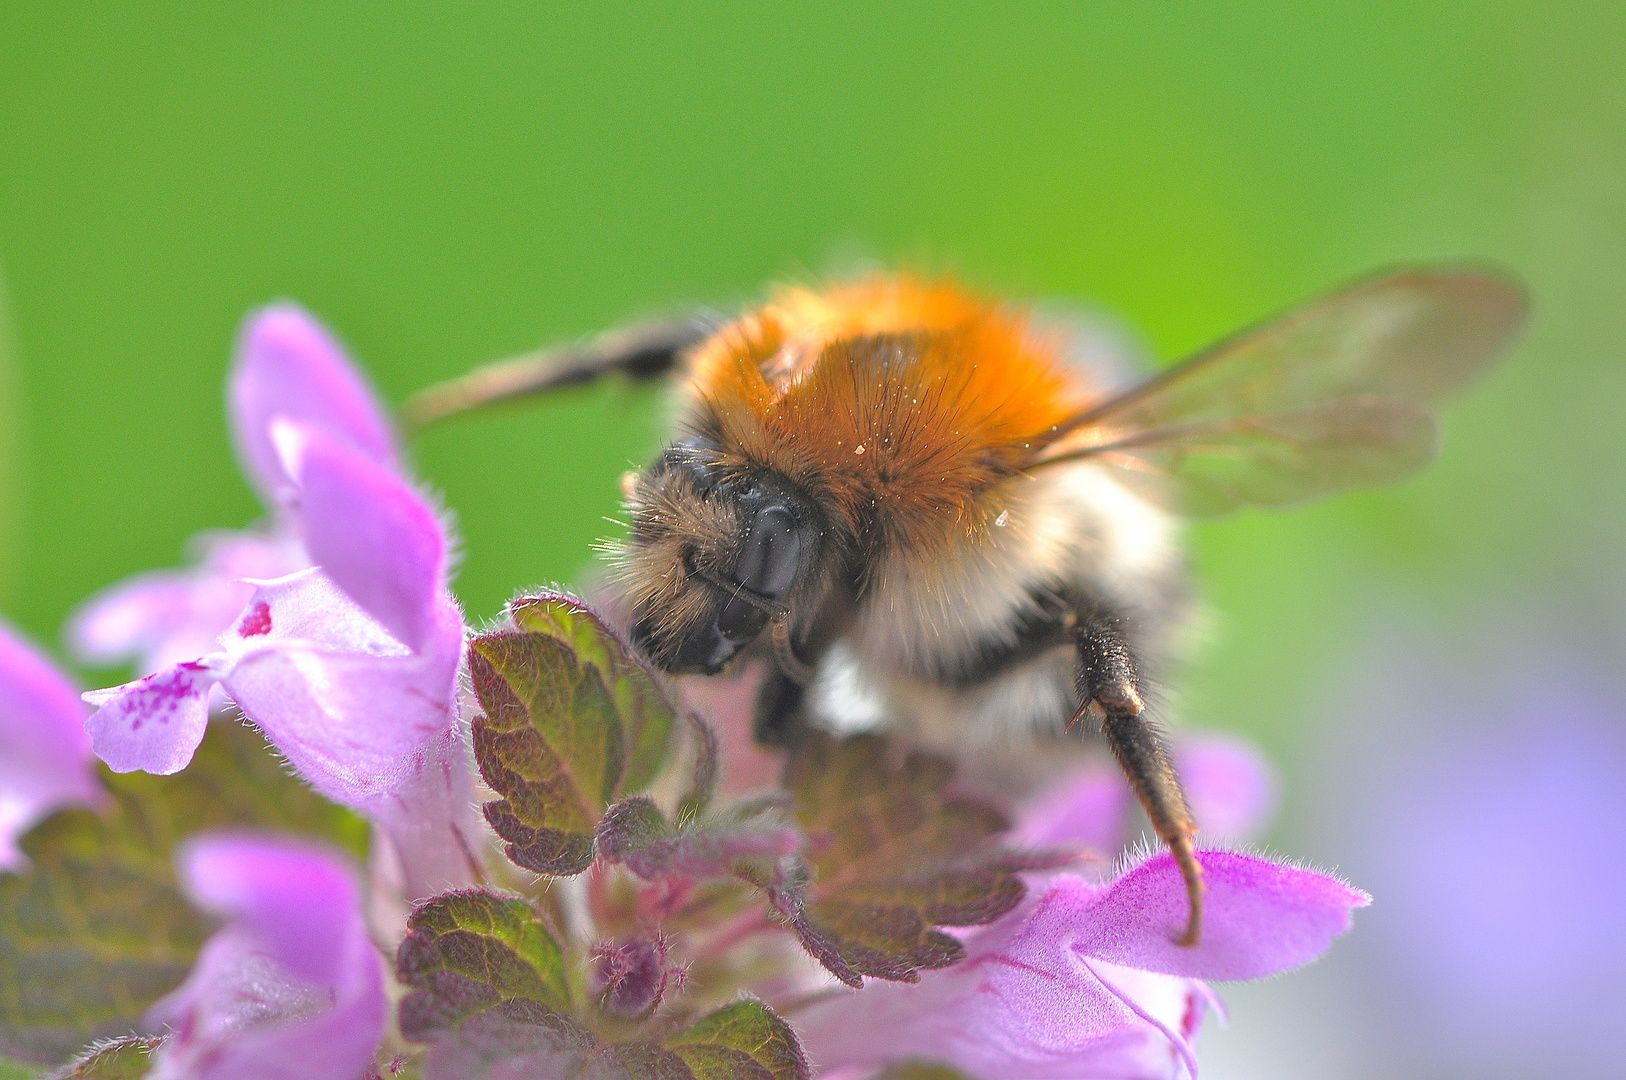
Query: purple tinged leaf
<point x="467" y="953"/>
<point x="744" y="1039"/>
<point x="1262" y="917"/>
<point x="288" y="365"/>
<point x="646" y="713"/>
<point x="96" y="929"/>
<point x="568" y="715"/>
<point x="291" y="987"/>
<point x="490" y="995"/>
<point x="637" y="835"/>
<point x="45" y="753"/>
<point x="892" y="857"/>
<point x="368" y="530"/>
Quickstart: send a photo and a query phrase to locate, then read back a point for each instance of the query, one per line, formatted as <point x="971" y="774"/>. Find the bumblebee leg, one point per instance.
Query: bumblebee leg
<point x="1108" y="685"/>
<point x="642" y="352"/>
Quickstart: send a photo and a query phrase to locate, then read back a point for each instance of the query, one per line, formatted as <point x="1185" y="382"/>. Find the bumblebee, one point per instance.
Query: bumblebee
<point x="935" y="509"/>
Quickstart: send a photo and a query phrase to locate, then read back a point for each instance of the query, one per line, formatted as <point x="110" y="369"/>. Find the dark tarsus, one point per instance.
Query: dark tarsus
<point x="1108" y="683"/>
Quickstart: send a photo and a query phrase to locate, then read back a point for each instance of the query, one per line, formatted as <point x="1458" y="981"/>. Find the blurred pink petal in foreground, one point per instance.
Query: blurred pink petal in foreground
<point x="349" y="669"/>
<point x="286" y="365"/>
<point x="45" y="757"/>
<point x="292" y="987"/>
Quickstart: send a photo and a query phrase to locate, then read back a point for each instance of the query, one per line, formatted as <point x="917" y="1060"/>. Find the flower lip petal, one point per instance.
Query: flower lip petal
<point x="155" y="724"/>
<point x="1022" y="1004"/>
<point x="45" y="751"/>
<point x="368" y="529"/>
<point x="1261" y="917"/>
<point x="288" y="364"/>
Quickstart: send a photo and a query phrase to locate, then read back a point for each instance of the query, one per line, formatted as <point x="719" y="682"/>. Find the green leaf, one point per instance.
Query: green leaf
<point x="468" y="953"/>
<point x="920" y="1070"/>
<point x="489" y="994"/>
<point x="96" y="929"/>
<point x="637" y="835"/>
<point x="646" y="715"/>
<point x="893" y="857"/>
<point x="741" y="1040"/>
<point x="571" y="722"/>
<point x="128" y="1058"/>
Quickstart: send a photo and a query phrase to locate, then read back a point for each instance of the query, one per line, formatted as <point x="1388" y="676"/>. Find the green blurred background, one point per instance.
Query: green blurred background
<point x="446" y="185"/>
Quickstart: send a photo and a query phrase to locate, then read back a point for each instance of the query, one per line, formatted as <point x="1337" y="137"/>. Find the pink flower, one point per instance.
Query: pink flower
<point x="348" y="667"/>
<point x="286" y="365"/>
<point x="1083" y="979"/>
<point x="45" y="754"/>
<point x="291" y="988"/>
<point x="1229" y="784"/>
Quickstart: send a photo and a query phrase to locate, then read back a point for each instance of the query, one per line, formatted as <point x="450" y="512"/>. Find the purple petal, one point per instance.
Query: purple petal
<point x="288" y="365"/>
<point x="366" y="722"/>
<point x="163" y="618"/>
<point x="156" y="723"/>
<point x="368" y="529"/>
<point x="1090" y="811"/>
<point x="1261" y="917"/>
<point x="1230" y="785"/>
<point x="45" y="753"/>
<point x="1023" y="1004"/>
<point x="292" y="987"/>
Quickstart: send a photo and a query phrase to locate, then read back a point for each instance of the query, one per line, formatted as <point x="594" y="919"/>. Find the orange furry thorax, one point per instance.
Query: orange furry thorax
<point x="900" y="404"/>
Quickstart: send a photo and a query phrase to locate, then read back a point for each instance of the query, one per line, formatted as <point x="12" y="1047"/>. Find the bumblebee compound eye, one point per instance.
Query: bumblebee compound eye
<point x="772" y="554"/>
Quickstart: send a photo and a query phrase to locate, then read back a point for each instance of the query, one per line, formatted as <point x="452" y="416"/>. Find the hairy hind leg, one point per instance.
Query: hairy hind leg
<point x="1108" y="683"/>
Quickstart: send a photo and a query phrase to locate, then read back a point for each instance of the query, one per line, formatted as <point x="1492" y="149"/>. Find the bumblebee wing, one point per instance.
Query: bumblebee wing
<point x="1332" y="395"/>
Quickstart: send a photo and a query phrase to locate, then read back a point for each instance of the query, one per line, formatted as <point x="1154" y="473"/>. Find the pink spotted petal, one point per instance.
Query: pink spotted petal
<point x="45" y="754"/>
<point x="368" y="529"/>
<point x="291" y="987"/>
<point x="1024" y="1004"/>
<point x="155" y="723"/>
<point x="366" y="722"/>
<point x="288" y="365"/>
<point x="1230" y="785"/>
<point x="1262" y="917"/>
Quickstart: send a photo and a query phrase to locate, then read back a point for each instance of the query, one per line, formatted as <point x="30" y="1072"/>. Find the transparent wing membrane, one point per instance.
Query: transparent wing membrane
<point x="1330" y="396"/>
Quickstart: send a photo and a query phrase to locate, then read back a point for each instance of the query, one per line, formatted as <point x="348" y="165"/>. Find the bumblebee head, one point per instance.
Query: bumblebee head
<point x="717" y="552"/>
